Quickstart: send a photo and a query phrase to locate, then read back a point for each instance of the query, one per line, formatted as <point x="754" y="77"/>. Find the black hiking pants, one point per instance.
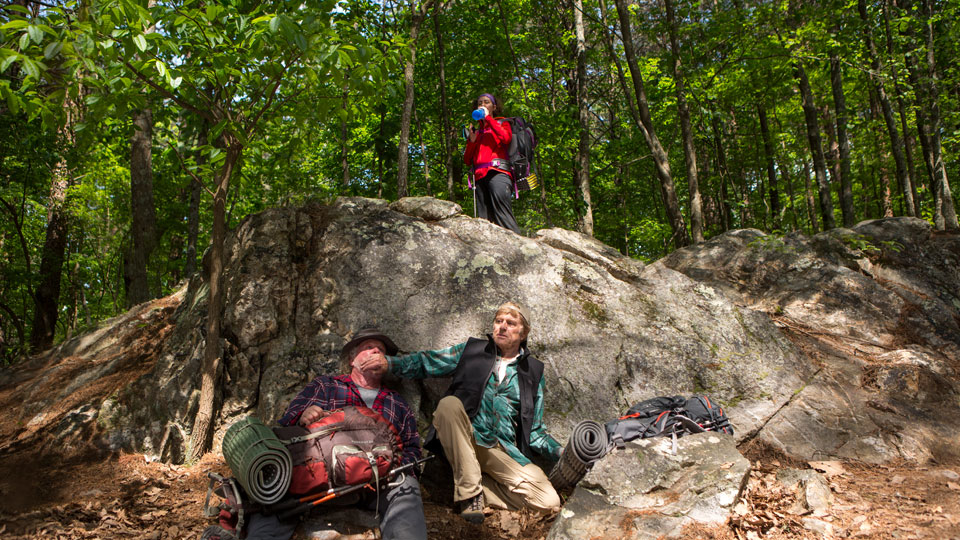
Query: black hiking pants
<point x="494" y="193"/>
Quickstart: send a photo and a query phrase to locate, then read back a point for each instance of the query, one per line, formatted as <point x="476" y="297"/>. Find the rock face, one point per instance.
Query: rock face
<point x="611" y="332"/>
<point x="878" y="308"/>
<point x="646" y="491"/>
<point x="843" y="345"/>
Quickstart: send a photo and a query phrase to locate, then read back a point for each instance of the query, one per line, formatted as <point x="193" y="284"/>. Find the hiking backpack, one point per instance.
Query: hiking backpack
<point x="707" y="414"/>
<point x="672" y="416"/>
<point x="522" y="155"/>
<point x="349" y="446"/>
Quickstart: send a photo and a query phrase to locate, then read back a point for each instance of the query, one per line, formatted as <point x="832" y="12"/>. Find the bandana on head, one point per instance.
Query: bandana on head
<point x="492" y="99"/>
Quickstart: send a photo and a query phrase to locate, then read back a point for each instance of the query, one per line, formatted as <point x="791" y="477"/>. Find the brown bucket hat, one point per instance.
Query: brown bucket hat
<point x="370" y="333"/>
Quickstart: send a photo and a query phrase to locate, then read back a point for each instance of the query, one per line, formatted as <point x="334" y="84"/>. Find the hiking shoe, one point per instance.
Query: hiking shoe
<point x="216" y="532"/>
<point x="472" y="508"/>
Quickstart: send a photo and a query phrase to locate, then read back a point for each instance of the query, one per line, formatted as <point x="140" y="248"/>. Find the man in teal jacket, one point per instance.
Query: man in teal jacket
<point x="490" y="422"/>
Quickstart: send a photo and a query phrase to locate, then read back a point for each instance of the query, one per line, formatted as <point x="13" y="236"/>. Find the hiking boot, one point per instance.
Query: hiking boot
<point x="216" y="532"/>
<point x="472" y="508"/>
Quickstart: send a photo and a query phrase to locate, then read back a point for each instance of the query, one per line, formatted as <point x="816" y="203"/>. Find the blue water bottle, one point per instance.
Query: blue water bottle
<point x="479" y="114"/>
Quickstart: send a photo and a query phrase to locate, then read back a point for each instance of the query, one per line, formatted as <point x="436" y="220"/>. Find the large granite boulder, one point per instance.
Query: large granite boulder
<point x="649" y="489"/>
<point x="299" y="280"/>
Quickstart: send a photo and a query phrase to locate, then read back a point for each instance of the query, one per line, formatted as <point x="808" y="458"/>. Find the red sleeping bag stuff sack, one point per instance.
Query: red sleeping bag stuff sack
<point x="349" y="446"/>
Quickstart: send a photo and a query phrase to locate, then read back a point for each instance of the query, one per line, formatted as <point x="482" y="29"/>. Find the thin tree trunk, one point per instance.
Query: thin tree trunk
<point x="423" y="153"/>
<point x="843" y="142"/>
<point x="47" y="295"/>
<point x="945" y="215"/>
<point x="689" y="149"/>
<point x="811" y="202"/>
<point x="726" y="212"/>
<point x="832" y="152"/>
<point x="381" y="147"/>
<point x="513" y="53"/>
<point x="884" y="199"/>
<point x="816" y="147"/>
<point x="910" y="195"/>
<point x="202" y="432"/>
<point x="660" y="158"/>
<point x="923" y="125"/>
<point x="344" y="137"/>
<point x="403" y="159"/>
<point x="143" y="227"/>
<point x="193" y="216"/>
<point x="788" y="181"/>
<point x="876" y="70"/>
<point x="771" y="168"/>
<point x="450" y="155"/>
<point x="582" y="168"/>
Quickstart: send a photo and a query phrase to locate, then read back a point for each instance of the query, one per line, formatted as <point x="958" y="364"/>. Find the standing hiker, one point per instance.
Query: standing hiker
<point x="401" y="507"/>
<point x="487" y="155"/>
<point x="491" y="420"/>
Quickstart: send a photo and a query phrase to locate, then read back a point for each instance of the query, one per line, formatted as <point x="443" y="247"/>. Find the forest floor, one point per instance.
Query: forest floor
<point x="127" y="496"/>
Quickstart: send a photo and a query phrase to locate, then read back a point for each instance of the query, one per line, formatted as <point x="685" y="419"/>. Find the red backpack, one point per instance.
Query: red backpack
<point x="349" y="446"/>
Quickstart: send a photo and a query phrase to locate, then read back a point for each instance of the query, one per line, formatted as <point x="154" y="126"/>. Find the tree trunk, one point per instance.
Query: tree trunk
<point x="885" y="200"/>
<point x="423" y="153"/>
<point x="201" y="435"/>
<point x="910" y="196"/>
<point x="193" y="216"/>
<point x="791" y="198"/>
<point x="451" y="156"/>
<point x="843" y="142"/>
<point x="811" y="202"/>
<point x="689" y="149"/>
<point x="47" y="296"/>
<point x="945" y="214"/>
<point x="876" y="70"/>
<point x="381" y="147"/>
<point x="816" y="147"/>
<point x="660" y="158"/>
<point x="513" y="53"/>
<point x="726" y="213"/>
<point x="582" y="168"/>
<point x="143" y="226"/>
<point x="403" y="158"/>
<point x="771" y="165"/>
<point x="143" y="213"/>
<point x="344" y="137"/>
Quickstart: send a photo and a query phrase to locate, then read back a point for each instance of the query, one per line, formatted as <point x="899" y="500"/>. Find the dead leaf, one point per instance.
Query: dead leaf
<point x="830" y="468"/>
<point x="727" y="465"/>
<point x="954" y="486"/>
<point x="896" y="480"/>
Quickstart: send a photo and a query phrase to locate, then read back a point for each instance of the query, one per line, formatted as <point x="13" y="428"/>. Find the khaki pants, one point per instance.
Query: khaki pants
<point x="505" y="484"/>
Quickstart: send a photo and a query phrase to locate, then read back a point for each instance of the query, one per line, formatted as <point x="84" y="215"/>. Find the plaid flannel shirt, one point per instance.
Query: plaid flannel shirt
<point x="340" y="391"/>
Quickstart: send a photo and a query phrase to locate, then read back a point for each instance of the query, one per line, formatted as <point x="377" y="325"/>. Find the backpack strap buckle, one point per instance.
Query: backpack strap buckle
<point x="617" y="440"/>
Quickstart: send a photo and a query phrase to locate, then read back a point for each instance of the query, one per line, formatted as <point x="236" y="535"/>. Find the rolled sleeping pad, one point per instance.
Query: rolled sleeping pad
<point x="588" y="443"/>
<point x="258" y="460"/>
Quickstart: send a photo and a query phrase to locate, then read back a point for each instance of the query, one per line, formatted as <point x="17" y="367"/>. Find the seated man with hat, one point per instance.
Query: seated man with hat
<point x="401" y="508"/>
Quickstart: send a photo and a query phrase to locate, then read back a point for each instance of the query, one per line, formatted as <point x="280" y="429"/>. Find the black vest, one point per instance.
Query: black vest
<point x="477" y="362"/>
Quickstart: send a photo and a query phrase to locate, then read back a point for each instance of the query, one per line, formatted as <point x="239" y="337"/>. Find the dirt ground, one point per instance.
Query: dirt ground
<point x="126" y="496"/>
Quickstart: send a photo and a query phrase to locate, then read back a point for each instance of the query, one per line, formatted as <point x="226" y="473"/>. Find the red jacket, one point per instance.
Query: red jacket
<point x="493" y="141"/>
